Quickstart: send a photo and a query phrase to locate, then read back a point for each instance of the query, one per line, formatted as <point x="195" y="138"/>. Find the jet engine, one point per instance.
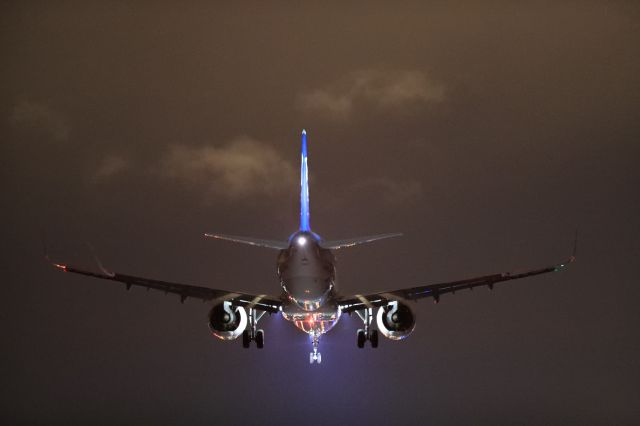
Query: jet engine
<point x="226" y="321"/>
<point x="395" y="320"/>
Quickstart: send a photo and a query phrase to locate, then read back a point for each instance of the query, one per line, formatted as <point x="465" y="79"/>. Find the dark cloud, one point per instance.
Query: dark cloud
<point x="398" y="193"/>
<point x="383" y="89"/>
<point x="110" y="166"/>
<point x="39" y="117"/>
<point x="242" y="168"/>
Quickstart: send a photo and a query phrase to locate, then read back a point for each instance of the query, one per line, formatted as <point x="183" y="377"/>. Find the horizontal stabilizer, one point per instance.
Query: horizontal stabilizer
<point x="273" y="244"/>
<point x="338" y="244"/>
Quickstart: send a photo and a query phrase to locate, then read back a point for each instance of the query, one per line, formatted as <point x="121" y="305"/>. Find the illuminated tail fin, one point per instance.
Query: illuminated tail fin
<point x="304" y="186"/>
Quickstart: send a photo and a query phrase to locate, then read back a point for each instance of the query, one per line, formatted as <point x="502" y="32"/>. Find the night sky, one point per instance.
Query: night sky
<point x="485" y="132"/>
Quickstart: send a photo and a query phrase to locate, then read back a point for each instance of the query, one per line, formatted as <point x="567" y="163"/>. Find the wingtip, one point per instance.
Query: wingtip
<point x="564" y="264"/>
<point x="54" y="264"/>
<point x="58" y="265"/>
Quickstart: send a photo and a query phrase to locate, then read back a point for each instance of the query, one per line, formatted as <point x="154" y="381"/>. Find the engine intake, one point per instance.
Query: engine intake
<point x="227" y="322"/>
<point x="396" y="320"/>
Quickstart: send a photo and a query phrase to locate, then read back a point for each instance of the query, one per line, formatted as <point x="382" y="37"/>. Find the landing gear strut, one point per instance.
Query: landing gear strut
<point x="366" y="315"/>
<point x="252" y="334"/>
<point x="315" y="356"/>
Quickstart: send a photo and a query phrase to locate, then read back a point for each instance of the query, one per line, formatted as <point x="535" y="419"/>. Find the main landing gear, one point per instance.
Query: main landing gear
<point x="315" y="356"/>
<point x="252" y="334"/>
<point x="366" y="315"/>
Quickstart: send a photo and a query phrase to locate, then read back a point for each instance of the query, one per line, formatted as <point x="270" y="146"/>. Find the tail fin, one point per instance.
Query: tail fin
<point x="304" y="186"/>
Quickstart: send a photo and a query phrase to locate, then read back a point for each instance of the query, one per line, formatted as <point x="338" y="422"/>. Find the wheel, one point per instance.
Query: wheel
<point x="319" y="358"/>
<point x="373" y="338"/>
<point x="361" y="338"/>
<point x="311" y="358"/>
<point x="246" y="339"/>
<point x="260" y="339"/>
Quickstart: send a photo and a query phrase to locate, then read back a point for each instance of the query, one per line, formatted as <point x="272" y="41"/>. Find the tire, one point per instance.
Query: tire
<point x="374" y="338"/>
<point x="319" y="358"/>
<point x="260" y="339"/>
<point x="246" y="340"/>
<point x="361" y="338"/>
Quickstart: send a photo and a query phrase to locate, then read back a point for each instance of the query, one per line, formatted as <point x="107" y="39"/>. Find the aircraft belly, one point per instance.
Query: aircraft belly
<point x="316" y="322"/>
<point x="309" y="292"/>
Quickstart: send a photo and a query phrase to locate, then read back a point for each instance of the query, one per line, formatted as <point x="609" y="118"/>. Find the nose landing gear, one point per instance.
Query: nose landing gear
<point x="315" y="356"/>
<point x="366" y="315"/>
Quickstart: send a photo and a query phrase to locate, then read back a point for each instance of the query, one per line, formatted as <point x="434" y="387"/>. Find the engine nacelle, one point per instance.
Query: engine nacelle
<point x="227" y="322"/>
<point x="395" y="320"/>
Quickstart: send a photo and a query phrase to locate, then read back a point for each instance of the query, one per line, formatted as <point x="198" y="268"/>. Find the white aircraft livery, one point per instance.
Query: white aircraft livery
<point x="309" y="297"/>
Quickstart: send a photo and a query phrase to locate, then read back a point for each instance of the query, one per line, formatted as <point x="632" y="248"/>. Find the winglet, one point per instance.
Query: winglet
<point x="573" y="254"/>
<point x="575" y="247"/>
<point x="304" y="186"/>
<point x="45" y="250"/>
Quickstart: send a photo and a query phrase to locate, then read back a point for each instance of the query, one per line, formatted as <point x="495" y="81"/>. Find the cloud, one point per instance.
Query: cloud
<point x="40" y="117"/>
<point x="110" y="166"/>
<point x="389" y="190"/>
<point x="382" y="89"/>
<point x="243" y="168"/>
<point x="338" y="106"/>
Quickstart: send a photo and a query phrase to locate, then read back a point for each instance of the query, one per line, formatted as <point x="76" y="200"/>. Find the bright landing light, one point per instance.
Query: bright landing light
<point x="302" y="241"/>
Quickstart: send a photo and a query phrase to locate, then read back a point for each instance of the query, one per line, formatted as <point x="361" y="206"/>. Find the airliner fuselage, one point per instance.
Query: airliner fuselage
<point x="307" y="275"/>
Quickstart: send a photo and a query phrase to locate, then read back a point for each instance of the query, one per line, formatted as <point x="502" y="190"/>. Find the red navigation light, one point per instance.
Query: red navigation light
<point x="59" y="266"/>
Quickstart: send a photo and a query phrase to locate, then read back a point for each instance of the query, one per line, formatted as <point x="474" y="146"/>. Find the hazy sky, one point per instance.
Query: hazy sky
<point x="485" y="131"/>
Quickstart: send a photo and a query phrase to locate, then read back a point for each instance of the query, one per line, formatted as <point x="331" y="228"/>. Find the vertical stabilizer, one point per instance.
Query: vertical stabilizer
<point x="304" y="186"/>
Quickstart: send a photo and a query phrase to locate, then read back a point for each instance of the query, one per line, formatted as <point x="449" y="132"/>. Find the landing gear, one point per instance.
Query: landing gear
<point x="373" y="338"/>
<point x="362" y="337"/>
<point x="315" y="356"/>
<point x="260" y="339"/>
<point x="252" y="333"/>
<point x="366" y="315"/>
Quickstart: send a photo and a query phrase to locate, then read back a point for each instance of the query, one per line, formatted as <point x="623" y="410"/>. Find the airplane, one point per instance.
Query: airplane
<point x="309" y="297"/>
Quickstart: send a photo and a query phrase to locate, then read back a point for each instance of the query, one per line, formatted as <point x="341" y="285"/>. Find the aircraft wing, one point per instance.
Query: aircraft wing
<point x="359" y="301"/>
<point x="260" y="302"/>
